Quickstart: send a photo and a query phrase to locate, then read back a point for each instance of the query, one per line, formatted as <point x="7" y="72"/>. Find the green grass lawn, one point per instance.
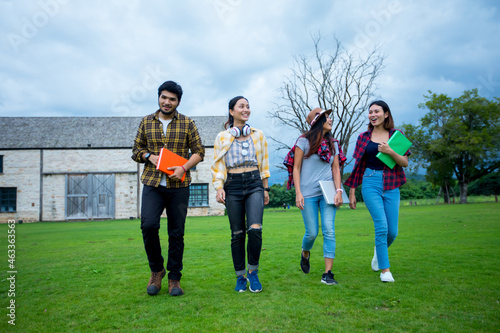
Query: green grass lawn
<point x="92" y="276"/>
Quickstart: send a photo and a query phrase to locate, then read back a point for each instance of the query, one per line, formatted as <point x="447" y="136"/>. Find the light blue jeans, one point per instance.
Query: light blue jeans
<point x="311" y="223"/>
<point x="384" y="209"/>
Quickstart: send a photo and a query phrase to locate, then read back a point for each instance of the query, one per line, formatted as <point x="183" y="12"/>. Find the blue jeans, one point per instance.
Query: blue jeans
<point x="310" y="217"/>
<point x="245" y="198"/>
<point x="384" y="209"/>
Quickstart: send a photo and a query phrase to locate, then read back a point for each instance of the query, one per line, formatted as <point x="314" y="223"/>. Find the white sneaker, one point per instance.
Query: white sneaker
<point x="375" y="261"/>
<point x="386" y="277"/>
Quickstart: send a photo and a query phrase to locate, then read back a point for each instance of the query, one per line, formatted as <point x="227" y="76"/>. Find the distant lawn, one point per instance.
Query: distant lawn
<point x="92" y="276"/>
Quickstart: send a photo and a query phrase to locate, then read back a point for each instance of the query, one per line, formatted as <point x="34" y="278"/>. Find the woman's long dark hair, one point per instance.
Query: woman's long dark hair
<point x="315" y="137"/>
<point x="230" y="121"/>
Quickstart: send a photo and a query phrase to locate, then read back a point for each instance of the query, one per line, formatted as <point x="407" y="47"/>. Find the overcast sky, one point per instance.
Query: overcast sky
<point x="107" y="58"/>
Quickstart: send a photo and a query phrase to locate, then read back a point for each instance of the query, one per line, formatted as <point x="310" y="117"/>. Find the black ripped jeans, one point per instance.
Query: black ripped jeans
<point x="245" y="198"/>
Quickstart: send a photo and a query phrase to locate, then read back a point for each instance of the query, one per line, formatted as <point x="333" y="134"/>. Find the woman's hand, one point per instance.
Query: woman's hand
<point x="221" y="196"/>
<point x="352" y="198"/>
<point x="400" y="160"/>
<point x="383" y="147"/>
<point x="338" y="199"/>
<point x="297" y="166"/>
<point x="266" y="198"/>
<point x="337" y="182"/>
<point x="299" y="201"/>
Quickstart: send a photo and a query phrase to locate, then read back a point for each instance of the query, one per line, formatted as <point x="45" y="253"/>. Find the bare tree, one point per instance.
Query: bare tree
<point x="341" y="80"/>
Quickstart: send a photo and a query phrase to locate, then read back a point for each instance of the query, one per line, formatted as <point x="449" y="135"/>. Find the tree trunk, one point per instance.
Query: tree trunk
<point x="446" y="195"/>
<point x="463" y="192"/>
<point x="454" y="194"/>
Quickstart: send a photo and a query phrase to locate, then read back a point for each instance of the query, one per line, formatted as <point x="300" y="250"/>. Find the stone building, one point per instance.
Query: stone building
<point x="80" y="168"/>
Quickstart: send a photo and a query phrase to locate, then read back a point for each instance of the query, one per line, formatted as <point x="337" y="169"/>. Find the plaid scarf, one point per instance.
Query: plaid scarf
<point x="324" y="154"/>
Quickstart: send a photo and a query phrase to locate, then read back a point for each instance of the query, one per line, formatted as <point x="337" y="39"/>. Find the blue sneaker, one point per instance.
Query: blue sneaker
<point x="255" y="285"/>
<point x="241" y="284"/>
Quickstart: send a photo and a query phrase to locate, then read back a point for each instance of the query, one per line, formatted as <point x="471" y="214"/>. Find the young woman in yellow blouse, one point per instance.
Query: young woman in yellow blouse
<point x="240" y="175"/>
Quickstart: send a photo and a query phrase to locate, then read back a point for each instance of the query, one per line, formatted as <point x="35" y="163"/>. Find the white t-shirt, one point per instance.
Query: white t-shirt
<point x="163" y="181"/>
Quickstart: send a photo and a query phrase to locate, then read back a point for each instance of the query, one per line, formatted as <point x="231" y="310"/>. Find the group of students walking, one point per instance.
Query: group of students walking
<point x="240" y="174"/>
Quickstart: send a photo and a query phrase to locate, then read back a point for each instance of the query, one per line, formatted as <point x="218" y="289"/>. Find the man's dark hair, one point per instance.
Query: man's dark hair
<point x="172" y="87"/>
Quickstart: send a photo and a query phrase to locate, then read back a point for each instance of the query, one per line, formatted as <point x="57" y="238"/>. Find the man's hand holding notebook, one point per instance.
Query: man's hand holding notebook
<point x="168" y="160"/>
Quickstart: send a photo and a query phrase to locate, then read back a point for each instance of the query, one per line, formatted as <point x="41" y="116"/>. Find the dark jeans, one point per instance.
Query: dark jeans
<point x="154" y="201"/>
<point x="245" y="197"/>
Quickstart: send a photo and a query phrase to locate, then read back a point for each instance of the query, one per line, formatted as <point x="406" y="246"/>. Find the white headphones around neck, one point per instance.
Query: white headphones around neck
<point x="236" y="132"/>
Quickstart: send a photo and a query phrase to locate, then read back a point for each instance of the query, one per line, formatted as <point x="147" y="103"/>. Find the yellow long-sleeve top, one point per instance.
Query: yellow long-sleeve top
<point x="221" y="146"/>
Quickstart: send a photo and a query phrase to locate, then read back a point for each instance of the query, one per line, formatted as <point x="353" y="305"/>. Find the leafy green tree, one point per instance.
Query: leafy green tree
<point x="439" y="169"/>
<point x="279" y="196"/>
<point x="487" y="185"/>
<point x="440" y="173"/>
<point x="417" y="189"/>
<point x="459" y="137"/>
<point x="359" y="196"/>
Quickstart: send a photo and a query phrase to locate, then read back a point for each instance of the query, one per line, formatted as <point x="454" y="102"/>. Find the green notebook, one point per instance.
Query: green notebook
<point x="399" y="143"/>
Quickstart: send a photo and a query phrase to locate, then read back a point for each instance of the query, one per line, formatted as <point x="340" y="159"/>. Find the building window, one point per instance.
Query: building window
<point x="198" y="196"/>
<point x="1" y="163"/>
<point x="8" y="197"/>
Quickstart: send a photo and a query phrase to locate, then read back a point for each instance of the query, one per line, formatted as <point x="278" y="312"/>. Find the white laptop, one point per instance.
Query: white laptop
<point x="329" y="191"/>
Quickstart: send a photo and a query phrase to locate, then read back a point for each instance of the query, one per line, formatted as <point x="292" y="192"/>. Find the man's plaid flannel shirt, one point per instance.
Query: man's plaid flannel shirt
<point x="393" y="178"/>
<point x="182" y="136"/>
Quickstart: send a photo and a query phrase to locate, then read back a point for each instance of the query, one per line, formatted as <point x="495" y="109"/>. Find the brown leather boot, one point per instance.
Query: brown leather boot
<point x="174" y="288"/>
<point x="154" y="284"/>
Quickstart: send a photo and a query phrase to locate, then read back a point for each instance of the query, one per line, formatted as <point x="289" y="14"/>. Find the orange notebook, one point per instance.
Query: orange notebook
<point x="169" y="159"/>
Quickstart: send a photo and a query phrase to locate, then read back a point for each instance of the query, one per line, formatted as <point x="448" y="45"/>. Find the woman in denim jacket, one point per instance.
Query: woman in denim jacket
<point x="240" y="175"/>
<point x="380" y="183"/>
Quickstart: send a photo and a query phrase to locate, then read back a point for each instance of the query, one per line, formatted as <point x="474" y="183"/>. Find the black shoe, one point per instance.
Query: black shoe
<point x="304" y="263"/>
<point x="328" y="279"/>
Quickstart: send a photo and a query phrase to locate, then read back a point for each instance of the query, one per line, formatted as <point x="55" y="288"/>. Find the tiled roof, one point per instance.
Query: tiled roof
<point x="86" y="132"/>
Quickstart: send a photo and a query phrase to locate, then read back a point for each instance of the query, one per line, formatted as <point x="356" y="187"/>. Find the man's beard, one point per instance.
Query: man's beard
<point x="167" y="113"/>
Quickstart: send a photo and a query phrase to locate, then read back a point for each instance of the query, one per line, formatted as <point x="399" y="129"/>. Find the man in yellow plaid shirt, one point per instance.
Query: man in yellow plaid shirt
<point x="166" y="128"/>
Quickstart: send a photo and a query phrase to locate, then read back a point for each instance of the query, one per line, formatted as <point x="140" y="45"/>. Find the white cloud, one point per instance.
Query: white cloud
<point x="93" y="58"/>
